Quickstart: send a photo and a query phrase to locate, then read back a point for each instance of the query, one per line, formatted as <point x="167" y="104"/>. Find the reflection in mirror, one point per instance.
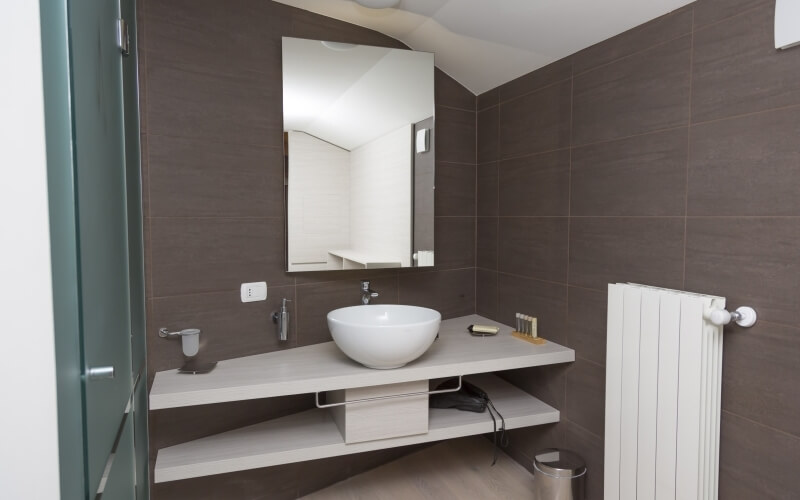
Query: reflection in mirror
<point x="358" y="135"/>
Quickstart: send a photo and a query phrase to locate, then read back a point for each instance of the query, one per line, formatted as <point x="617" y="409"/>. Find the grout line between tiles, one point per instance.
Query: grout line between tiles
<point x="688" y="157"/>
<point x="218" y="217"/>
<point x="569" y="184"/>
<point x="729" y="216"/>
<point x="745" y="115"/>
<point x="762" y="425"/>
<point x="632" y="136"/>
<point x="455" y="108"/>
<point x="533" y="91"/>
<point x="211" y="140"/>
<point x="461" y="163"/>
<point x="676" y="216"/>
<point x="475" y="215"/>
<point x="210" y="292"/>
<point x="529" y="155"/>
<point x="584" y="429"/>
<point x="760" y="5"/>
<point x="587" y="360"/>
<point x="551" y="282"/>
<point x="633" y="54"/>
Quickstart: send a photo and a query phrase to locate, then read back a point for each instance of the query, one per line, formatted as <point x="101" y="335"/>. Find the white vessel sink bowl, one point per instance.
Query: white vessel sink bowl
<point x="384" y="336"/>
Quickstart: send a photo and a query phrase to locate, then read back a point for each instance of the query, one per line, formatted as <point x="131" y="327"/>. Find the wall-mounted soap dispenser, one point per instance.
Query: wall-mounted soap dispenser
<point x="281" y="318"/>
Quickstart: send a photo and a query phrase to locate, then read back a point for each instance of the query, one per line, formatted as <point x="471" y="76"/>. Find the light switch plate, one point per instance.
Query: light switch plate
<point x="253" y="292"/>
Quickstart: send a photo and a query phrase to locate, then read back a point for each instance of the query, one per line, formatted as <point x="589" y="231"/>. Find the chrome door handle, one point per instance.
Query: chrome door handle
<point x="100" y="372"/>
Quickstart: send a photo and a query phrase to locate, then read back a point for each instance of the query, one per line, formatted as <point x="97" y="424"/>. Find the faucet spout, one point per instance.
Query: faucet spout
<point x="366" y="292"/>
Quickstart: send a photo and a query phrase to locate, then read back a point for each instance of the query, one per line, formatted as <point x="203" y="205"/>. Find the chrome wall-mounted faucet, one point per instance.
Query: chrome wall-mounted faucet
<point x="366" y="292"/>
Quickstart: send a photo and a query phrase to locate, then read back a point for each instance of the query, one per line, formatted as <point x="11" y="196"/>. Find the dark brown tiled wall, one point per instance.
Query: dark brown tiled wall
<point x="211" y="98"/>
<point x="668" y="155"/>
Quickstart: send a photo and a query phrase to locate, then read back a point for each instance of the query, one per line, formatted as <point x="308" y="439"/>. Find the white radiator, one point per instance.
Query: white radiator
<point x="663" y="382"/>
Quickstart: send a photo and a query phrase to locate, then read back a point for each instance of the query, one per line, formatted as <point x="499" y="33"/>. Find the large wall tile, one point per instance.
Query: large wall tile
<point x="197" y="35"/>
<point x="542" y="77"/>
<point x="455" y="135"/>
<point x="642" y="93"/>
<point x="711" y="11"/>
<point x="643" y="175"/>
<point x="487" y="190"/>
<point x="586" y="400"/>
<point x="547" y="383"/>
<point x="195" y="255"/>
<point x="306" y="24"/>
<point x="746" y="166"/>
<point x="591" y="449"/>
<point x="454" y="242"/>
<point x="605" y="250"/>
<point x="455" y="189"/>
<point x="756" y="461"/>
<point x="148" y="258"/>
<point x="452" y="94"/>
<point x="486" y="293"/>
<point x="488" y="122"/>
<point x="544" y="300"/>
<point x="488" y="99"/>
<point x="535" y="185"/>
<point x="536" y="122"/>
<point x="305" y="278"/>
<point x="524" y="443"/>
<point x="314" y="301"/>
<point x="205" y="178"/>
<point x="452" y="293"/>
<point x="486" y="243"/>
<point x="238" y="108"/>
<point x="535" y="247"/>
<point x="736" y="69"/>
<point x="751" y="261"/>
<point x="759" y="376"/>
<point x="141" y="56"/>
<point x="586" y="320"/>
<point x="230" y="328"/>
<point x="144" y="158"/>
<point x="659" y="30"/>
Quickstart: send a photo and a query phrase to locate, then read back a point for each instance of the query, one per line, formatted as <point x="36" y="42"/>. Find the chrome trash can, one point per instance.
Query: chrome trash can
<point x="558" y="475"/>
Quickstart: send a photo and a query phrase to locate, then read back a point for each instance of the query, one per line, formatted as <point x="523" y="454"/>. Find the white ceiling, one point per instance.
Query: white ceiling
<point x="485" y="43"/>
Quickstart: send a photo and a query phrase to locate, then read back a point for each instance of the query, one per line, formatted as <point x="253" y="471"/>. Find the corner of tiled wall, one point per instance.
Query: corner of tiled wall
<point x="666" y="155"/>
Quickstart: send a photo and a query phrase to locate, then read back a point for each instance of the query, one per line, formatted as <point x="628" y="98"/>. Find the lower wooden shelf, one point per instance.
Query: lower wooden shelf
<point x="312" y="435"/>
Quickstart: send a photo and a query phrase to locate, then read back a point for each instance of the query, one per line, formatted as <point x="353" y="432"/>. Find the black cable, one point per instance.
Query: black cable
<point x="494" y="434"/>
<point x="503" y="437"/>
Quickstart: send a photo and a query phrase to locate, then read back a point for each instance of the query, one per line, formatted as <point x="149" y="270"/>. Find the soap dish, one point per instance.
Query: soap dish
<point x="195" y="367"/>
<point x="482" y="331"/>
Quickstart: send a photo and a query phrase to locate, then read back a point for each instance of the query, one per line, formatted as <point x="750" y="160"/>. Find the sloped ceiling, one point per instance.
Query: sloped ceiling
<point x="485" y="43"/>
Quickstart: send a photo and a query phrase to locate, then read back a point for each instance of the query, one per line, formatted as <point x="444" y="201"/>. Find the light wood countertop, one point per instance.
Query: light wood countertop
<point x="323" y="367"/>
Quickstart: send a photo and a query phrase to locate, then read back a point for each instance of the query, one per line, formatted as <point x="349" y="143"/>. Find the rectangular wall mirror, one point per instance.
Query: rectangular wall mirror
<point x="359" y="153"/>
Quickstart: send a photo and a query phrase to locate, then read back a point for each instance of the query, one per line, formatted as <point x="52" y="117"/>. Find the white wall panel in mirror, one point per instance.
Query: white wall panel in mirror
<point x="359" y="191"/>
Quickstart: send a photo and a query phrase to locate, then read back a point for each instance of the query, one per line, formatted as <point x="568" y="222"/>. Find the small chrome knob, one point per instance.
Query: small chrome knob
<point x="100" y="372"/>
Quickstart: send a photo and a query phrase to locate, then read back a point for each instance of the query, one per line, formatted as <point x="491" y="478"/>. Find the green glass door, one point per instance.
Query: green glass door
<point x="99" y="142"/>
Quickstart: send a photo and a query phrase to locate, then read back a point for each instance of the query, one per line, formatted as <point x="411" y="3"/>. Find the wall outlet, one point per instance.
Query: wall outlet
<point x="252" y="292"/>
